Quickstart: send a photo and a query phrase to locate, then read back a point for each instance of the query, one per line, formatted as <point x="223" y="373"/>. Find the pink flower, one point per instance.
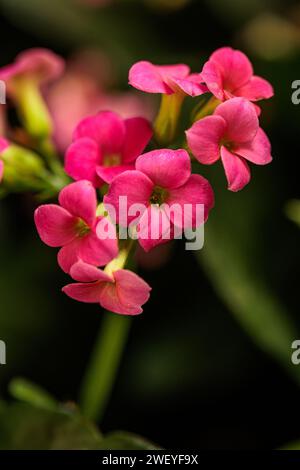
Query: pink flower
<point x="162" y="178"/>
<point x="121" y="292"/>
<point x="229" y="73"/>
<point x="3" y="146"/>
<point x="166" y="79"/>
<point x="232" y="133"/>
<point x="72" y="225"/>
<point x="106" y="145"/>
<point x="40" y="64"/>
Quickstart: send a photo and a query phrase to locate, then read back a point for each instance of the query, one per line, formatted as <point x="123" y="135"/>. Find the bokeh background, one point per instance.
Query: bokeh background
<point x="208" y="363"/>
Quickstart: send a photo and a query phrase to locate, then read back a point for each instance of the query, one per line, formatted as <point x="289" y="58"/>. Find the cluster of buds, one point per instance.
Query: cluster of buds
<point x="133" y="181"/>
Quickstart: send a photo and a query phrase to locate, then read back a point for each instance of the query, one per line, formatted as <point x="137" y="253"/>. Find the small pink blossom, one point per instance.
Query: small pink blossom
<point x="166" y="79"/>
<point x="122" y="292"/>
<point x="229" y="73"/>
<point x="232" y="133"/>
<point x="4" y="144"/>
<point x="106" y="145"/>
<point x="161" y="178"/>
<point x="42" y="65"/>
<point x="72" y="225"/>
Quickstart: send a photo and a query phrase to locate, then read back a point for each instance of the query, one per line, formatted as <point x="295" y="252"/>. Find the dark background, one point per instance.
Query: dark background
<point x="194" y="374"/>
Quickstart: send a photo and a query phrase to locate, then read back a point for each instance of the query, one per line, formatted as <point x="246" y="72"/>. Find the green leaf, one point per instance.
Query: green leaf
<point x="121" y="440"/>
<point x="26" y="391"/>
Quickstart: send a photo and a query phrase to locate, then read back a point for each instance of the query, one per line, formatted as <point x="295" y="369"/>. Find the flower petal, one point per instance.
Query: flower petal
<point x="81" y="160"/>
<point x="204" y="138"/>
<point x="134" y="186"/>
<point x="108" y="173"/>
<point x="258" y="150"/>
<point x="125" y="296"/>
<point x="132" y="289"/>
<point x="84" y="272"/>
<point x="80" y="200"/>
<point x="212" y="77"/>
<point x="191" y="85"/>
<point x="165" y="167"/>
<point x="241" y="118"/>
<point x="137" y="136"/>
<point x="236" y="169"/>
<point x="69" y="255"/>
<point x="93" y="250"/>
<point x="86" y="292"/>
<point x="235" y="67"/>
<point x="154" y="228"/>
<point x="55" y="225"/>
<point x="256" y="89"/>
<point x="186" y="200"/>
<point x="106" y="128"/>
<point x="146" y="77"/>
<point x="152" y="78"/>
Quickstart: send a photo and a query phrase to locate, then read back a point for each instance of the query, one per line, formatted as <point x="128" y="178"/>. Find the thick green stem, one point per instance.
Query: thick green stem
<point x="106" y="356"/>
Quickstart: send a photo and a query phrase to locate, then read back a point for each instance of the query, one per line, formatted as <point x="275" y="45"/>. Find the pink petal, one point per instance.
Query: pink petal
<point x="87" y="292"/>
<point x="108" y="173"/>
<point x="152" y="78"/>
<point x="40" y="63"/>
<point x="191" y="85"/>
<point x="84" y="272"/>
<point x="132" y="289"/>
<point x="204" y="138"/>
<point x="212" y="77"/>
<point x="93" y="250"/>
<point x="127" y="295"/>
<point x="146" y="77"/>
<point x="154" y="228"/>
<point x="258" y="150"/>
<point x="137" y="136"/>
<point x="68" y="255"/>
<point x="135" y="186"/>
<point x="235" y="67"/>
<point x="80" y="200"/>
<point x="110" y="300"/>
<point x="106" y="128"/>
<point x="165" y="167"/>
<point x="55" y="225"/>
<point x="1" y="169"/>
<point x="197" y="190"/>
<point x="236" y="170"/>
<point x="256" y="89"/>
<point x="81" y="160"/>
<point x="241" y="119"/>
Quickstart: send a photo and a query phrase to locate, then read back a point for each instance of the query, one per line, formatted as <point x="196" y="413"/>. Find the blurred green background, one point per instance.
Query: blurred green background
<point x="208" y="363"/>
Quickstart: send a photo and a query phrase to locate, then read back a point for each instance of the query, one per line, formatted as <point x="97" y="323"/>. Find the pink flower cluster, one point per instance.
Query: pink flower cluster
<point x="232" y="133"/>
<point x="109" y="154"/>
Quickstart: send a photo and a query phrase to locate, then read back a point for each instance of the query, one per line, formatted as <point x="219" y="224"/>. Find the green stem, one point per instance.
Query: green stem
<point x="106" y="357"/>
<point x="165" y="125"/>
<point x="107" y="354"/>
